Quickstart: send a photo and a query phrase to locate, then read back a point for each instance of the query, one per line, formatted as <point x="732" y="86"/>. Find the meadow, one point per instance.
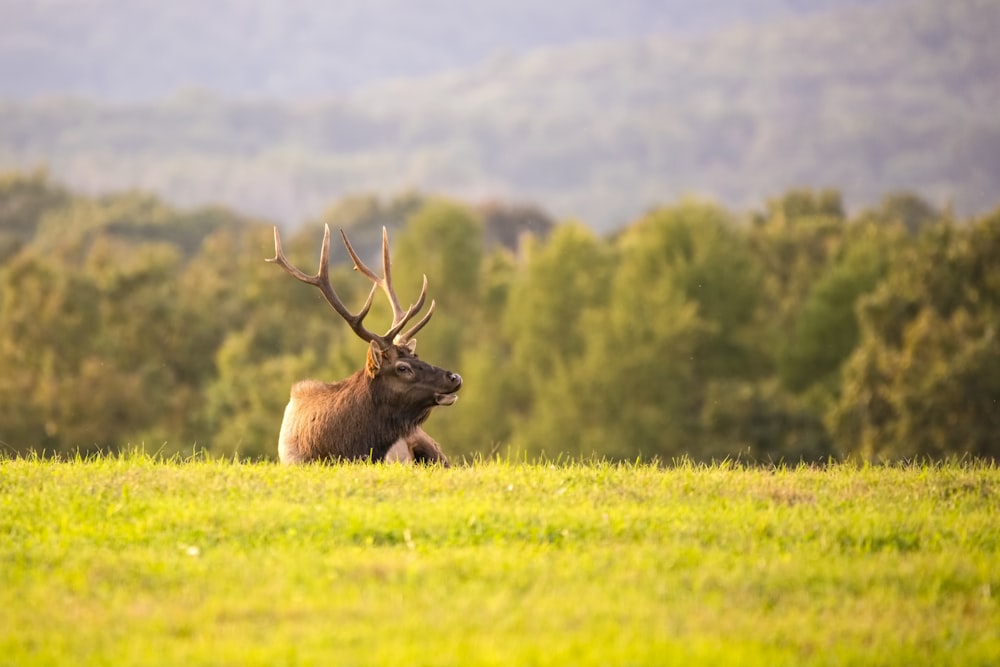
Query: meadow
<point x="129" y="560"/>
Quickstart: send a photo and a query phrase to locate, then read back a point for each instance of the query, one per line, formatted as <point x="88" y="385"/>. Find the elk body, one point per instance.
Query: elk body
<point x="376" y="413"/>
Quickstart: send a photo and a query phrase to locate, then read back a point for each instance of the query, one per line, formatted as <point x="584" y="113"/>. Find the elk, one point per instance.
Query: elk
<point x="376" y="413"/>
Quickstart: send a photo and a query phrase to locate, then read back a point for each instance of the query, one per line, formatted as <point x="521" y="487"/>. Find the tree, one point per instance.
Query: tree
<point x="506" y="224"/>
<point x="761" y="421"/>
<point x="263" y="331"/>
<point x="905" y="209"/>
<point x="925" y="379"/>
<point x="244" y="403"/>
<point x="49" y="318"/>
<point x="24" y="201"/>
<point x="825" y="328"/>
<point x="548" y="326"/>
<point x="689" y="284"/>
<point x="443" y="241"/>
<point x="672" y="316"/>
<point x="794" y="242"/>
<point x="492" y="398"/>
<point x="88" y="342"/>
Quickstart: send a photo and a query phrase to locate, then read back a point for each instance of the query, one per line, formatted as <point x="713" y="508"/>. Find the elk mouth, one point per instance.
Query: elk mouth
<point x="445" y="399"/>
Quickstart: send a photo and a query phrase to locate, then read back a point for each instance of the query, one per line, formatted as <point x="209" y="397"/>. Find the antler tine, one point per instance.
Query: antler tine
<point x="322" y="281"/>
<point x="399" y="316"/>
<point x="387" y="273"/>
<point x="411" y="332"/>
<point x="401" y="321"/>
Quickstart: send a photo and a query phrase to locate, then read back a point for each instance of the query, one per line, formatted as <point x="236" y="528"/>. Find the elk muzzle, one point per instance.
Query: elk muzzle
<point x="449" y="397"/>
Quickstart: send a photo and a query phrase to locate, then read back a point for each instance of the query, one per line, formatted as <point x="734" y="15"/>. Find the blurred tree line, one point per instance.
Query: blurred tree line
<point x="796" y="333"/>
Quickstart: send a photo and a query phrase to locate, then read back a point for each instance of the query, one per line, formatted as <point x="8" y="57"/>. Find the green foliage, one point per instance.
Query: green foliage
<point x="799" y="336"/>
<point x="493" y="396"/>
<point x="550" y="329"/>
<point x="245" y="402"/>
<point x="443" y="241"/>
<point x="25" y="198"/>
<point x="760" y="421"/>
<point x="695" y="249"/>
<point x="795" y="241"/>
<point x="124" y="560"/>
<point x="924" y="379"/>
<point x="825" y="328"/>
<point x="102" y="344"/>
<point x="562" y="279"/>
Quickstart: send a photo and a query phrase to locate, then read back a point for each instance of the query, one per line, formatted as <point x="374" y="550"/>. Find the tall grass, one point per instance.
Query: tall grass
<point x="132" y="561"/>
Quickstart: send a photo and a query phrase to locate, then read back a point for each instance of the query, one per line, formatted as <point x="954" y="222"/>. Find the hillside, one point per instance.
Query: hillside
<point x="142" y="49"/>
<point x="869" y="100"/>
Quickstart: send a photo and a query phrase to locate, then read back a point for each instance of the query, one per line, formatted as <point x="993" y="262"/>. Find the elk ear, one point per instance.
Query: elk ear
<point x="411" y="345"/>
<point x="374" y="361"/>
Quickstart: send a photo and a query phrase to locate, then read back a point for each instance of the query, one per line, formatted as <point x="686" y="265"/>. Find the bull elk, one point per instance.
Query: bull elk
<point x="376" y="413"/>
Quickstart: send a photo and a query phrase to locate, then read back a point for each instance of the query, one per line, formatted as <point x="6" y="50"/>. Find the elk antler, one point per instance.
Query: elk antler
<point x="399" y="316"/>
<point x="322" y="281"/>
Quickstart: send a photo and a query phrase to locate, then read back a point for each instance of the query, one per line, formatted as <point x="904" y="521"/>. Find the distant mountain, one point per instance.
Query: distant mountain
<point x="144" y="49"/>
<point x="868" y="100"/>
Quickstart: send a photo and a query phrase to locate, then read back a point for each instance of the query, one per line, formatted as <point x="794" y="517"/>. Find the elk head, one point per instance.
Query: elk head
<point x="381" y="405"/>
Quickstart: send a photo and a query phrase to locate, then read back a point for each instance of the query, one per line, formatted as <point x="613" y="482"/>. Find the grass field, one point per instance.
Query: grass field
<point x="130" y="561"/>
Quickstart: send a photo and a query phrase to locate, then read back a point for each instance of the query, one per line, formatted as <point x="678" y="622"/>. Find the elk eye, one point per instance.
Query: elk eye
<point x="403" y="368"/>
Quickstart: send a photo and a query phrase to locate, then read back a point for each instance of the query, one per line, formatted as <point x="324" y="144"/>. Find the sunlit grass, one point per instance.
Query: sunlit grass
<point x="127" y="560"/>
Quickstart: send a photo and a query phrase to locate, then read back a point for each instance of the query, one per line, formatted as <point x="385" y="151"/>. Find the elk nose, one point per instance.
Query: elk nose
<point x="455" y="379"/>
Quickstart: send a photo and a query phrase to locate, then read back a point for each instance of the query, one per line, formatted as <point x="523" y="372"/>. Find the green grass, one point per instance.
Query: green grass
<point x="129" y="561"/>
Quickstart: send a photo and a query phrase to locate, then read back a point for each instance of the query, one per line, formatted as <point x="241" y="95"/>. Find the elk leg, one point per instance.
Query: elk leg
<point x="400" y="452"/>
<point x="425" y="449"/>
